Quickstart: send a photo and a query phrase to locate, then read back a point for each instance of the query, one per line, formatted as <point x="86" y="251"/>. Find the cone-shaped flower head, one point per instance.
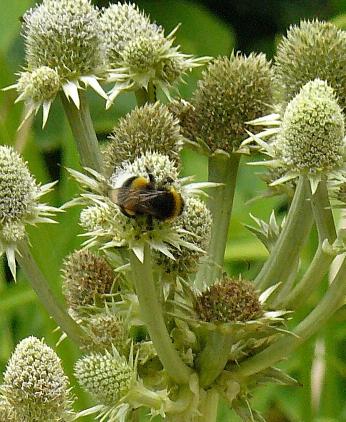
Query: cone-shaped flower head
<point x="19" y="195"/>
<point x="107" y="377"/>
<point x="87" y="277"/>
<point x="148" y="128"/>
<point x="228" y="301"/>
<point x="196" y="220"/>
<point x="311" y="50"/>
<point x="109" y="225"/>
<point x="231" y="92"/>
<point x="35" y="384"/>
<point x="63" y="47"/>
<point x="138" y="52"/>
<point x="311" y="139"/>
<point x="103" y="331"/>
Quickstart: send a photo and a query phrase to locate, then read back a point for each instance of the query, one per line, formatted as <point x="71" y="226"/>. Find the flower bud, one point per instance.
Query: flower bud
<point x="35" y="384"/>
<point x="107" y="377"/>
<point x="311" y="50"/>
<point x="312" y="131"/>
<point x="87" y="277"/>
<point x="42" y="84"/>
<point x="229" y="300"/>
<point x="150" y="128"/>
<point x="231" y="92"/>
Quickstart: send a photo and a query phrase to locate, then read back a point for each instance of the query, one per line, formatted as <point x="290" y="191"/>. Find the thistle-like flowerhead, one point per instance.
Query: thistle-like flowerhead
<point x="19" y="202"/>
<point x="35" y="384"/>
<point x="138" y="52"/>
<point x="309" y="140"/>
<point x="106" y="224"/>
<point x="151" y="128"/>
<point x="103" y="332"/>
<point x="87" y="278"/>
<point x="196" y="221"/>
<point x="311" y="50"/>
<point x="63" y="48"/>
<point x="231" y="92"/>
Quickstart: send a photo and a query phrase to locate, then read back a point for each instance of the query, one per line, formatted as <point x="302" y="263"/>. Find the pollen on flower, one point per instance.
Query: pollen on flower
<point x="231" y="92"/>
<point x="107" y="377"/>
<point x="35" y="384"/>
<point x="312" y="131"/>
<point x="311" y="50"/>
<point x="228" y="300"/>
<point x="150" y="128"/>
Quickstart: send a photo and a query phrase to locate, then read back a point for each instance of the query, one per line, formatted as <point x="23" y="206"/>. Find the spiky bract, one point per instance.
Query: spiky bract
<point x="232" y="91"/>
<point x="311" y="50"/>
<point x="35" y="384"/>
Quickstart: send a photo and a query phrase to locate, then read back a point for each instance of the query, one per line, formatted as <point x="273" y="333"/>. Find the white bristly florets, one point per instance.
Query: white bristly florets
<point x="138" y="52"/>
<point x="35" y="385"/>
<point x="19" y="196"/>
<point x="63" y="48"/>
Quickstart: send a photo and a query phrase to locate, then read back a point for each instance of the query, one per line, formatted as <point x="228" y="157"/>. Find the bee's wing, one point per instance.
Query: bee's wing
<point x="135" y="200"/>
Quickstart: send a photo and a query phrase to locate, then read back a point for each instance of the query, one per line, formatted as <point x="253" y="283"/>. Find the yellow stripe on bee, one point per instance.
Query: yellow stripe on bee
<point x="178" y="203"/>
<point x="139" y="183"/>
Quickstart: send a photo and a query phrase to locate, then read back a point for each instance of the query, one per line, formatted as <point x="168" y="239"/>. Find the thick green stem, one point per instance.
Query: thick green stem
<point x="214" y="357"/>
<point x="222" y="169"/>
<point x="332" y="300"/>
<point x="151" y="311"/>
<point x="44" y="293"/>
<point x="310" y="281"/>
<point x="279" y="265"/>
<point x="83" y="132"/>
<point x="323" y="214"/>
<point x="209" y="407"/>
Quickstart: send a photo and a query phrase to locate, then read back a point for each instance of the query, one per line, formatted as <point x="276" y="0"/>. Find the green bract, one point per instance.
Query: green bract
<point x="311" y="50"/>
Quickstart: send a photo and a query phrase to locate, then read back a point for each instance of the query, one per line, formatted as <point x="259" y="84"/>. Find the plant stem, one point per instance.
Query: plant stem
<point x="279" y="265"/>
<point x="323" y="214"/>
<point x="214" y="357"/>
<point x="83" y="132"/>
<point x="330" y="303"/>
<point x="223" y="168"/>
<point x="209" y="407"/>
<point x="44" y="293"/>
<point x="151" y="311"/>
<point x="310" y="281"/>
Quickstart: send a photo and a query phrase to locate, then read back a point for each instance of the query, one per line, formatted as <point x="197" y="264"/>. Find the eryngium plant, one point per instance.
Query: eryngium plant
<point x="160" y="324"/>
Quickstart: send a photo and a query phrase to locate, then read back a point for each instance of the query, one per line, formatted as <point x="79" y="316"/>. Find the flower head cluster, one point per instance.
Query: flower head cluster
<point x="311" y="50"/>
<point x="63" y="48"/>
<point x="139" y="54"/>
<point x="231" y="92"/>
<point x="35" y="385"/>
<point x="310" y="138"/>
<point x="19" y="196"/>
<point x="107" y="226"/>
<point x="150" y="128"/>
<point x="87" y="278"/>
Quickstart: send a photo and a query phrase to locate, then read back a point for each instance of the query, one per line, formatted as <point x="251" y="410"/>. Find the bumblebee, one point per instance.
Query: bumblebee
<point x="140" y="196"/>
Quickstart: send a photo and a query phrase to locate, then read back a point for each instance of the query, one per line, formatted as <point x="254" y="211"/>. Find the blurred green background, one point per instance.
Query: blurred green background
<point x="212" y="27"/>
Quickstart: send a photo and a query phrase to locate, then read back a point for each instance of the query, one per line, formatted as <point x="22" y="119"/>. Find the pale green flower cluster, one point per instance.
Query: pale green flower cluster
<point x="35" y="388"/>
